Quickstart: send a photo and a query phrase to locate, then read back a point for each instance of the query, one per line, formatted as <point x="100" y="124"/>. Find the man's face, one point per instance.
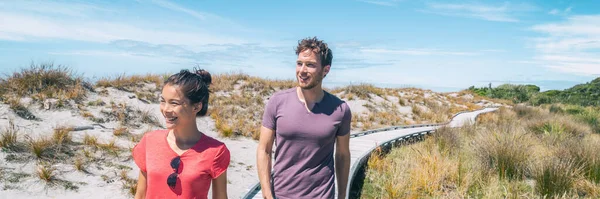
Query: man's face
<point x="309" y="71"/>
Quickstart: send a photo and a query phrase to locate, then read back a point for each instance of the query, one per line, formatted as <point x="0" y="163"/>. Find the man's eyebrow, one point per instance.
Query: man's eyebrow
<point x="308" y="62"/>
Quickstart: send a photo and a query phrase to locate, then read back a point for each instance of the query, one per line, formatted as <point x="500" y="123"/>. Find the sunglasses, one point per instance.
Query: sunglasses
<point x="172" y="179"/>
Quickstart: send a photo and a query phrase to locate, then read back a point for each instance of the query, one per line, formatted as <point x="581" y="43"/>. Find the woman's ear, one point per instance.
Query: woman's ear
<point x="198" y="107"/>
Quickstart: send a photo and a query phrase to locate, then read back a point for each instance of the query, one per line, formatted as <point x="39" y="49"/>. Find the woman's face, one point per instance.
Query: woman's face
<point x="176" y="108"/>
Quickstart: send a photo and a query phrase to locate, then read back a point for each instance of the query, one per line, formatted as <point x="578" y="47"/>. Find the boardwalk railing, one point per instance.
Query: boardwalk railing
<point x="356" y="165"/>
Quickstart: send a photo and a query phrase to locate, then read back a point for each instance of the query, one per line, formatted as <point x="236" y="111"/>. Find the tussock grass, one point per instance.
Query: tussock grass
<point x="148" y="97"/>
<point x="425" y="106"/>
<point x="46" y="172"/>
<point x="18" y="108"/>
<point x="447" y="139"/>
<point x="147" y="117"/>
<point x="90" y="140"/>
<point x="588" y="115"/>
<point x="526" y="111"/>
<point x="584" y="153"/>
<point x="87" y="153"/>
<point x="111" y="147"/>
<point x="361" y="91"/>
<point x="9" y="136"/>
<point x="380" y="115"/>
<point x="128" y="116"/>
<point x="129" y="184"/>
<point x="505" y="152"/>
<point x="132" y="83"/>
<point x="556" y="177"/>
<point x="87" y="114"/>
<point x="98" y="102"/>
<point x="429" y="173"/>
<point x="121" y="131"/>
<point x="504" y="155"/>
<point x="238" y="102"/>
<point x="62" y="135"/>
<point x="43" y="81"/>
<point x="79" y="164"/>
<point x="416" y="110"/>
<point x="40" y="147"/>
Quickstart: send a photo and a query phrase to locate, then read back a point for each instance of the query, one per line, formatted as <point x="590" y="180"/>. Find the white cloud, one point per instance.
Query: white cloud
<point x="66" y="21"/>
<point x="571" y="46"/>
<point x="175" y="7"/>
<point x="417" y="52"/>
<point x="10" y="37"/>
<point x="503" y="13"/>
<point x="493" y="50"/>
<point x="72" y="9"/>
<point x="555" y="11"/>
<point x="382" y="2"/>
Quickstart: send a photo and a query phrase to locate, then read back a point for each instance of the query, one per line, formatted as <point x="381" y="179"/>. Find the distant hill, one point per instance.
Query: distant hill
<point x="587" y="94"/>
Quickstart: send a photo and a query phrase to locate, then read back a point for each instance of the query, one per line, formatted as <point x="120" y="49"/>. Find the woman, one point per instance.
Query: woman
<point x="181" y="161"/>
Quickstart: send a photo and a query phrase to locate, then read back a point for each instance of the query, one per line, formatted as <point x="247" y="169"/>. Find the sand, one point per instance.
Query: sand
<point x="101" y="182"/>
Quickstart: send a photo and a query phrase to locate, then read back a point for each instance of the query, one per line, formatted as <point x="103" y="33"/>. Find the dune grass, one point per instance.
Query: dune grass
<point x="79" y="164"/>
<point x="46" y="172"/>
<point x="90" y="140"/>
<point x="126" y="116"/>
<point x="45" y="80"/>
<point x="9" y="136"/>
<point x="513" y="153"/>
<point x="238" y="100"/>
<point x="40" y="82"/>
<point x="360" y="91"/>
<point x="129" y="184"/>
<point x="132" y="83"/>
<point x="236" y="104"/>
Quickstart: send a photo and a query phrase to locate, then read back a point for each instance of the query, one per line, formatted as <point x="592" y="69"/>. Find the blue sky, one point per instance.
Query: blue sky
<point x="438" y="45"/>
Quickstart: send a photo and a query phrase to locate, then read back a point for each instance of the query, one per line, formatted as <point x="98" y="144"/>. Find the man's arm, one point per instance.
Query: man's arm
<point x="342" y="163"/>
<point x="263" y="160"/>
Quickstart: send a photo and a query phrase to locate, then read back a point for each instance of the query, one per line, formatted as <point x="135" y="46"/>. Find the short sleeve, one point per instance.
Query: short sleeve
<point x="221" y="162"/>
<point x="139" y="154"/>
<point x="270" y="114"/>
<point x="346" y="120"/>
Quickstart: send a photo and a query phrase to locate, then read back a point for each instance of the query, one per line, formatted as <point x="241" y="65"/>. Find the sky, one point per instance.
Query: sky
<point x="431" y="44"/>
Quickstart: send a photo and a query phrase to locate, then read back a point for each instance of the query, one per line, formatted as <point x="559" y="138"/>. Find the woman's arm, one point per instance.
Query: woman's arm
<point x="219" y="186"/>
<point x="140" y="192"/>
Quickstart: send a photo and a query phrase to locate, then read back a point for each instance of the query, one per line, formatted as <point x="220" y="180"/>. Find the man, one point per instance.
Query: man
<point x="307" y="124"/>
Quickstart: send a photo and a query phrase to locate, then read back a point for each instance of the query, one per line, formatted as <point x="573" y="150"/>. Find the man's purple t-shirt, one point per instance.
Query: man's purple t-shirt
<point x="304" y="164"/>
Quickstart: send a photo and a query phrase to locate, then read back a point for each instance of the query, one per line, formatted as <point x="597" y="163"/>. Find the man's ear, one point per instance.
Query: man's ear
<point x="326" y="70"/>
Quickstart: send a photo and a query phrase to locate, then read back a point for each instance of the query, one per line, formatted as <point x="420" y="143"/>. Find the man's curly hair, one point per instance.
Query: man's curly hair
<point x="317" y="46"/>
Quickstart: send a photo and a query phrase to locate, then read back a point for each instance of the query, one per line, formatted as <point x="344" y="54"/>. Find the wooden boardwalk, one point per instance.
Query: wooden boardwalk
<point x="362" y="144"/>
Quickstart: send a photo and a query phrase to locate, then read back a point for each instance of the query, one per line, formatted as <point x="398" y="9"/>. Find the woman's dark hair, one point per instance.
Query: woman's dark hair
<point x="194" y="85"/>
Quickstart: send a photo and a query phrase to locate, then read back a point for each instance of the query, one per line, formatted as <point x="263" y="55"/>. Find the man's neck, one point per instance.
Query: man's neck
<point x="310" y="96"/>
